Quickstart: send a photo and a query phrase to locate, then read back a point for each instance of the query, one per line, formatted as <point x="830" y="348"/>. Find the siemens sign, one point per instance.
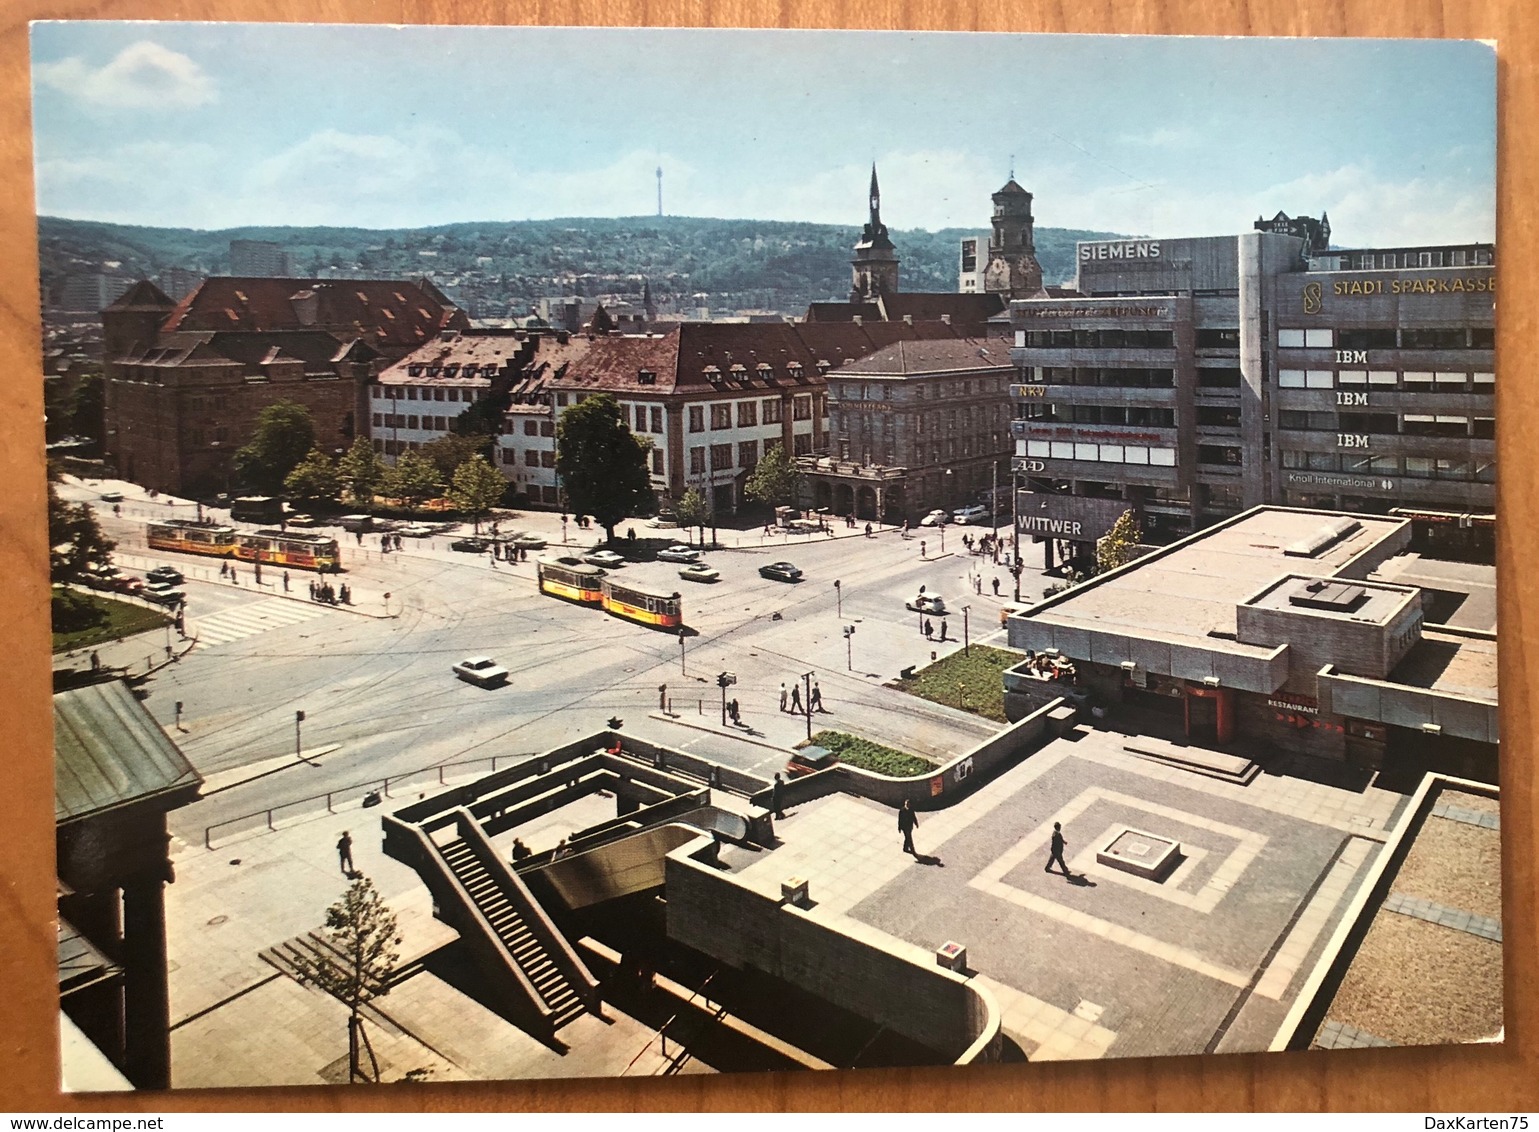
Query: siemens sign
<point x="1121" y="249"/>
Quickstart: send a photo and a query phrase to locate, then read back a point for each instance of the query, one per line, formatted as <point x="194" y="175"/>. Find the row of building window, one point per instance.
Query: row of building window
<point x="412" y="393"/>
<point x="1388" y="424"/>
<point x="721" y="457"/>
<point x="1390" y="338"/>
<point x="1412" y="381"/>
<point x="1108" y="338"/>
<point x="1145" y="416"/>
<point x="411" y="420"/>
<point x="1101" y="453"/>
<point x="453" y="369"/>
<point x="533" y="427"/>
<point x="1368" y="261"/>
<point x="937" y="390"/>
<point x="750" y="414"/>
<point x="1414" y="467"/>
<point x="1104" y="378"/>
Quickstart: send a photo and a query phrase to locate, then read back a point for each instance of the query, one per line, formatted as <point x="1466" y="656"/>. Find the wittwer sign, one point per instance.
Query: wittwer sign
<point x="1070" y="517"/>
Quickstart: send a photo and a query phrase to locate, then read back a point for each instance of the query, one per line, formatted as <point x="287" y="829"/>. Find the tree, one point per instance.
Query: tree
<point x="357" y="965"/>
<point x="75" y="540"/>
<point x="361" y="470"/>
<point x="775" y="480"/>
<point x="315" y="477"/>
<point x="88" y="407"/>
<point x="413" y="479"/>
<point x="283" y="436"/>
<point x="1118" y="546"/>
<point x="601" y="464"/>
<point x="693" y="511"/>
<point x="448" y="452"/>
<point x="477" y="488"/>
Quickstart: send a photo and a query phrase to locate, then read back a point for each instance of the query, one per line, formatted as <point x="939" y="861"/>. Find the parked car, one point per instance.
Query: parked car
<point x="780" y="572"/>
<point x="608" y="559"/>
<point x="929" y="603"/>
<point x="529" y="541"/>
<point x="482" y="670"/>
<point x="663" y="521"/>
<point x="470" y="545"/>
<point x="810" y="760"/>
<point x="699" y="572"/>
<point x="416" y="530"/>
<point x="302" y="520"/>
<point x="165" y="575"/>
<point x="937" y="518"/>
<point x="677" y="553"/>
<point x="357" y="523"/>
<point x="103" y="577"/>
<point x="112" y="497"/>
<point x="163" y="594"/>
<point x="974" y="514"/>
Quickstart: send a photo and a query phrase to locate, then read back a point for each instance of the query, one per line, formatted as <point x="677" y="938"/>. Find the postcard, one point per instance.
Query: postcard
<point x="827" y="550"/>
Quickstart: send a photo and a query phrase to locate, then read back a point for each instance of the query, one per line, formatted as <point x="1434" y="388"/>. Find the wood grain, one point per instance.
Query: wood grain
<point x="1434" y="1079"/>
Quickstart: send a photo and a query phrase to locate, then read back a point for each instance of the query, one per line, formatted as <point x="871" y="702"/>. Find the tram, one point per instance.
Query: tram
<point x="576" y="581"/>
<point x="646" y="607"/>
<point x="289" y="548"/>
<point x="189" y="536"/>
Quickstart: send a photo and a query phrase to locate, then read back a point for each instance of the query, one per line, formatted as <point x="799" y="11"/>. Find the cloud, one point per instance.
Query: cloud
<point x="143" y="76"/>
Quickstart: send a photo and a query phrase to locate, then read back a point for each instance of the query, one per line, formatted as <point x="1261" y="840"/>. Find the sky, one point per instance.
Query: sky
<point x="224" y="125"/>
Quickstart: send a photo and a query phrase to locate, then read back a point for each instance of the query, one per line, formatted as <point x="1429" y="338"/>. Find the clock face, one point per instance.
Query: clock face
<point x="875" y="200"/>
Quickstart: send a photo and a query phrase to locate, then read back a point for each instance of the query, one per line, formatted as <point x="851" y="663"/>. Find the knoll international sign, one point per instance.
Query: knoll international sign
<point x="1070" y="517"/>
<point x="1331" y="479"/>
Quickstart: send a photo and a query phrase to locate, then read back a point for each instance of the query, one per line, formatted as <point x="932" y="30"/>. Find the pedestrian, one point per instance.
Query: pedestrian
<point x="96" y="666"/>
<point x="494" y="559"/>
<point x="796" y="699"/>
<point x="347" y="595"/>
<point x="815" y="699"/>
<point x="929" y="629"/>
<point x="904" y="532"/>
<point x="733" y="712"/>
<point x="978" y="584"/>
<point x="224" y="569"/>
<point x="776" y="802"/>
<point x="630" y="534"/>
<point x="520" y="850"/>
<point x="908" y="821"/>
<point x="943" y="629"/>
<point x="783" y="692"/>
<point x="312" y="589"/>
<point x="1056" y="853"/>
<point x="345" y="853"/>
<point x="868" y="530"/>
<point x="285" y="581"/>
<point x="996" y="586"/>
<point x="117" y="509"/>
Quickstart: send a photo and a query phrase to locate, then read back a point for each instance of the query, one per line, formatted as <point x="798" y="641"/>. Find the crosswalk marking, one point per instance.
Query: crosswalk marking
<point x="248" y="620"/>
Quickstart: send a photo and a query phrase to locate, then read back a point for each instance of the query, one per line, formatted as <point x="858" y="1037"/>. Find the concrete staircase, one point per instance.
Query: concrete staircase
<point x="1198" y="760"/>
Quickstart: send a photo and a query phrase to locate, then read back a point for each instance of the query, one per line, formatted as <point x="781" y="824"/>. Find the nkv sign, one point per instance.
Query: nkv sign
<point x="1068" y="517"/>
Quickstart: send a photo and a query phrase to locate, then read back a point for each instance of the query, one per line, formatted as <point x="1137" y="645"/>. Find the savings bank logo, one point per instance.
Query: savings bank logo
<point x="1312" y="298"/>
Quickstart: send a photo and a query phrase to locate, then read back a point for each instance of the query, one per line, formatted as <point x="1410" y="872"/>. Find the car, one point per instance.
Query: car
<point x="780" y="572"/>
<point x="356" y="523"/>
<point x="810" y="760"/>
<point x="416" y="530"/>
<point x="975" y="514"/>
<point x="165" y="575"/>
<point x="302" y="520"/>
<point x="163" y="594"/>
<point x="470" y="545"/>
<point x="528" y="541"/>
<point x="699" y="572"/>
<point x="936" y="518"/>
<point x="677" y="553"/>
<point x="608" y="559"/>
<point x="663" y="522"/>
<point x="482" y="670"/>
<point x="102" y="577"/>
<point x="929" y="603"/>
<point x="112" y="497"/>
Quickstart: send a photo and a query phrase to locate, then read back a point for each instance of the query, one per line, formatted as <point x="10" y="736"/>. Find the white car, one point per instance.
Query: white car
<point x="936" y="519"/>
<point x="662" y="522"/>
<point x="699" y="572"/>
<point x="415" y="530"/>
<point x="971" y="514"/>
<point x="678" y="553"/>
<point x="163" y="593"/>
<point x="525" y="541"/>
<point x="932" y="604"/>
<point x="608" y="559"/>
<point x="482" y="670"/>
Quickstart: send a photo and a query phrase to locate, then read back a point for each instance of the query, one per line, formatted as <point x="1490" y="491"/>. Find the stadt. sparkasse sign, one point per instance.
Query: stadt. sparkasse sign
<point x="1071" y="517"/>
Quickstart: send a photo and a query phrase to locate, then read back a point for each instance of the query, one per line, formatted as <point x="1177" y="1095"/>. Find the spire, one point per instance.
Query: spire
<point x="876" y="201"/>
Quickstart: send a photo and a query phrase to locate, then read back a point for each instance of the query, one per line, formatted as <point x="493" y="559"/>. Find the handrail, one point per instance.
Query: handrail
<point x="662" y="1030"/>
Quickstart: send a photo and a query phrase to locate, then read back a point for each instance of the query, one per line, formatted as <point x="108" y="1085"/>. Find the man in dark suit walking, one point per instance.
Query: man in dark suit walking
<point x="907" y="821"/>
<point x="1057" y="851"/>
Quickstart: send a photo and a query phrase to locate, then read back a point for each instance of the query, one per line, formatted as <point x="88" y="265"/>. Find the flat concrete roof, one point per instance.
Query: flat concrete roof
<point x="1190" y="591"/>
<point x="1450" y="663"/>
<point x="1460" y="594"/>
<point x="1362" y="601"/>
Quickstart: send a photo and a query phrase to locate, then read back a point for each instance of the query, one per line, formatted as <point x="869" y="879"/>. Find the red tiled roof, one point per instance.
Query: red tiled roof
<point x="927" y="306"/>
<point x="953" y="355"/>
<point x="391" y="315"/>
<point x="142" y="296"/>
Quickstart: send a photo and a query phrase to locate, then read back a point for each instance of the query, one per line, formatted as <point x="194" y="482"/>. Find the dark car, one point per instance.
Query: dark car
<point x="781" y="572"/>
<point x="165" y="575"/>
<point x="810" y="760"/>
<point x="470" y="545"/>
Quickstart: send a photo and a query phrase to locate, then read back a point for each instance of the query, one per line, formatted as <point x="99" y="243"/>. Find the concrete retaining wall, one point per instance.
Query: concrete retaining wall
<point x="884" y="980"/>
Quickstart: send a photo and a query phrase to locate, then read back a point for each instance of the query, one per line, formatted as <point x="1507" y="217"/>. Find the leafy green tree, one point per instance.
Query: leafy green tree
<point x="602" y="465"/>
<point x="357" y="966"/>
<point x="693" y="511"/>
<point x="75" y="540"/>
<point x="315" y="477"/>
<point x="361" y="471"/>
<point x="88" y="407"/>
<point x="1118" y="546"/>
<point x="283" y="436"/>
<point x="477" y="488"/>
<point x="414" y="479"/>
<point x="450" y="451"/>
<point x="775" y="480"/>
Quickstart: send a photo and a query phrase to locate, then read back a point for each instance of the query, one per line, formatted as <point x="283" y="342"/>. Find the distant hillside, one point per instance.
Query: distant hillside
<point x="498" y="268"/>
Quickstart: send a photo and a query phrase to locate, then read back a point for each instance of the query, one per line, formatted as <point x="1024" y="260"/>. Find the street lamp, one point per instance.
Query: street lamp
<point x="849" y="655"/>
<point x="966" y="643"/>
<point x="838" y="598"/>
<point x="724" y="681"/>
<point x="299" y="717"/>
<point x="807" y="701"/>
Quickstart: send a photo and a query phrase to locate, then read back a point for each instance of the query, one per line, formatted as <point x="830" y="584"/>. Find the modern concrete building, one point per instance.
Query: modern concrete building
<point x="1285" y="630"/>
<point x="1191" y="379"/>
<point x="260" y="258"/>
<point x="913" y="427"/>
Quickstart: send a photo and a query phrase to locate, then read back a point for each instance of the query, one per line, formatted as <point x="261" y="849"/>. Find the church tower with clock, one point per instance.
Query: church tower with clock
<point x="875" y="266"/>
